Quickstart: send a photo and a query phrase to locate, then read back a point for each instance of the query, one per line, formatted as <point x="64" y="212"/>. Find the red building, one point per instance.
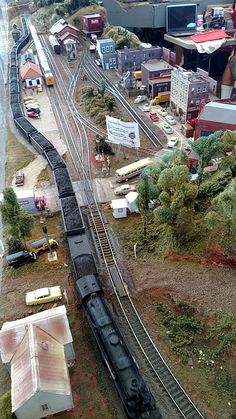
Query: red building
<point x="92" y="24"/>
<point x="72" y="30"/>
<point x="219" y="115"/>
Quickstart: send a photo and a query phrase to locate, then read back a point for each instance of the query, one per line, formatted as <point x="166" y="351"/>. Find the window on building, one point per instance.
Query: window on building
<point x="198" y="89"/>
<point x="38" y="81"/>
<point x="30" y="83"/>
<point x="197" y="102"/>
<point x="44" y="407"/>
<point x="204" y="89"/>
<point x="120" y="210"/>
<point x="103" y="50"/>
<point x="107" y="48"/>
<point x="111" y="48"/>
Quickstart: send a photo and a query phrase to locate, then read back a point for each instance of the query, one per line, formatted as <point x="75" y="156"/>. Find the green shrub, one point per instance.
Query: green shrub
<point x="5" y="406"/>
<point x="14" y="246"/>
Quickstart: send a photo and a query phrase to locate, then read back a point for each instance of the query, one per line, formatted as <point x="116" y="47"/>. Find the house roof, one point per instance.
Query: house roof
<point x="105" y="41"/>
<point x="119" y="203"/>
<point x="68" y="30"/>
<point x="69" y="41"/>
<point x="30" y="70"/>
<point x="154" y="65"/>
<point x="221" y="112"/>
<point x="131" y="197"/>
<point x="53" y="321"/>
<point x="66" y="34"/>
<point x="38" y="364"/>
<point x="92" y="16"/>
<point x="58" y="26"/>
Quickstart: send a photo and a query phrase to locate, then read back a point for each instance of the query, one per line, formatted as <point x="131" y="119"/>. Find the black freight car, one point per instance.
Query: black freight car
<point x="54" y="159"/>
<point x="16" y="110"/>
<point x="63" y="182"/>
<point x="25" y="127"/>
<point x="39" y="142"/>
<point x="72" y="217"/>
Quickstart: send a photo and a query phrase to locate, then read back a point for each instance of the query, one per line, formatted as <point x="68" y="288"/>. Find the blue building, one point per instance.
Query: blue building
<point x="107" y="53"/>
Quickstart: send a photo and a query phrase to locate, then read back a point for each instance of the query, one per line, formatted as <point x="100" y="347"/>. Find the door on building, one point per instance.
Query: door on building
<point x="107" y="66"/>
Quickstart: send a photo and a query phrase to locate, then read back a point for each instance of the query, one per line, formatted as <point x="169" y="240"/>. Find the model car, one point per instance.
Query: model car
<point x="124" y="189"/>
<point x="36" y="110"/>
<point x="146" y="107"/>
<point x="98" y="62"/>
<point x="140" y="98"/>
<point x="167" y="129"/>
<point x="173" y="141"/>
<point x="170" y="120"/>
<point x="20" y="179"/>
<point x="20" y="258"/>
<point x="33" y="115"/>
<point x="187" y="144"/>
<point x="28" y="98"/>
<point x="161" y="111"/>
<point x="32" y="104"/>
<point x="43" y="295"/>
<point x="153" y="115"/>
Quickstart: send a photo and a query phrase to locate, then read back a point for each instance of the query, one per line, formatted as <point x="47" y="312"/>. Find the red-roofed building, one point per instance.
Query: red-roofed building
<point x="66" y="36"/>
<point x="219" y="115"/>
<point x="72" y="30"/>
<point x="31" y="74"/>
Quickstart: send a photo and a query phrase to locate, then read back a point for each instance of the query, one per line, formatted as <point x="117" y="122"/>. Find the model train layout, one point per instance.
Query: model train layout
<point x="137" y="399"/>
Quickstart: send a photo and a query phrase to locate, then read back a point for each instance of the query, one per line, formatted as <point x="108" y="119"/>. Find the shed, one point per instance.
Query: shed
<point x="119" y="207"/>
<point x="25" y="198"/>
<point x="58" y="26"/>
<point x="53" y="321"/>
<point x="131" y="201"/>
<point x="72" y="30"/>
<point x="40" y="384"/>
<point x="31" y="74"/>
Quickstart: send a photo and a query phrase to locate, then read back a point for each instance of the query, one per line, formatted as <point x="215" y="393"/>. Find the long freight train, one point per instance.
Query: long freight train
<point x="134" y="393"/>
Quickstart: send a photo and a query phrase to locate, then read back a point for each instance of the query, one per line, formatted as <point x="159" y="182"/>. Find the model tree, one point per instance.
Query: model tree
<point x="207" y="148"/>
<point x="19" y="221"/>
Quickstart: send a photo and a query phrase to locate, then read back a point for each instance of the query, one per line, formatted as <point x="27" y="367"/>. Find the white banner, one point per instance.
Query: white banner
<point x="119" y="132"/>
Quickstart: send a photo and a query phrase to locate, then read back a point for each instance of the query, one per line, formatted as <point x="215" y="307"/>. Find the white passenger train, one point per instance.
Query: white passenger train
<point x="48" y="76"/>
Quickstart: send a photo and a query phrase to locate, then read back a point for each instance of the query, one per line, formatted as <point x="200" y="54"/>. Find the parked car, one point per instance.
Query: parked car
<point x="146" y="107"/>
<point x="32" y="104"/>
<point x="36" y="110"/>
<point x="187" y="144"/>
<point x="173" y="141"/>
<point x="20" y="258"/>
<point x="140" y="98"/>
<point x="43" y="295"/>
<point x="28" y="98"/>
<point x="20" y="179"/>
<point x="33" y="115"/>
<point x="40" y="246"/>
<point x="162" y="111"/>
<point x="168" y="129"/>
<point x="98" y="62"/>
<point x="124" y="189"/>
<point x="170" y="119"/>
<point x="153" y="115"/>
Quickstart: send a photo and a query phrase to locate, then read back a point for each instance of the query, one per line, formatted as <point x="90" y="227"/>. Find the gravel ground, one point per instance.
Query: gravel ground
<point x="212" y="287"/>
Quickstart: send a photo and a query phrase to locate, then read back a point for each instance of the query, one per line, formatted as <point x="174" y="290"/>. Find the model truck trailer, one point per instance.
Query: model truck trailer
<point x="161" y="98"/>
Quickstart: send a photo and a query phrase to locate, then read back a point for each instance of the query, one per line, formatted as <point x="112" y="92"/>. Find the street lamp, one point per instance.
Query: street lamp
<point x="45" y="230"/>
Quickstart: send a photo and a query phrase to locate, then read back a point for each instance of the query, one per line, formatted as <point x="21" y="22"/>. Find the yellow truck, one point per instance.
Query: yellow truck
<point x="161" y="98"/>
<point x="138" y="75"/>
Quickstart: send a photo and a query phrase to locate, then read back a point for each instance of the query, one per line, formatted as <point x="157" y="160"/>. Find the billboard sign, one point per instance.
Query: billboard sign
<point x="125" y="133"/>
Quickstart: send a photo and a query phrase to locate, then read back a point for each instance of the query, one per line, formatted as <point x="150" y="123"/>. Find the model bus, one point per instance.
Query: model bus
<point x="132" y="169"/>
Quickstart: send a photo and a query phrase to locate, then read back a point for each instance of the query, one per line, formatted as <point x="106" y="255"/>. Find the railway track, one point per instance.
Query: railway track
<point x="157" y="366"/>
<point x="90" y="68"/>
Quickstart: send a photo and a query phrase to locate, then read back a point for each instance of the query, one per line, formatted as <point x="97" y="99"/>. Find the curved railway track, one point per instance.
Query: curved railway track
<point x="157" y="366"/>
